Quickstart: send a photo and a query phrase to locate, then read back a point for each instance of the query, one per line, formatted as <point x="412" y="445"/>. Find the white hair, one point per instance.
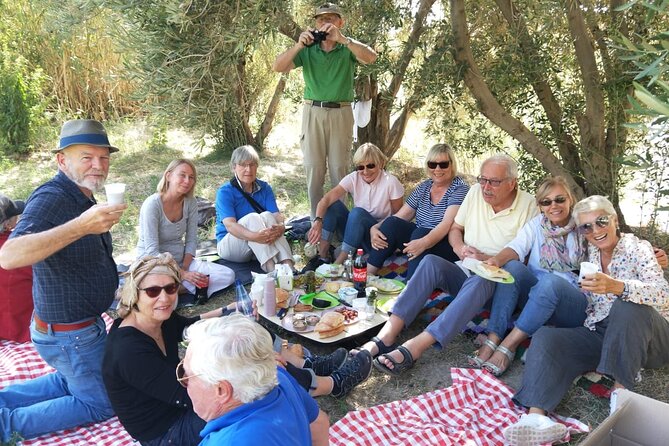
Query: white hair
<point x="233" y="349"/>
<point x="591" y="204"/>
<point x="506" y="160"/>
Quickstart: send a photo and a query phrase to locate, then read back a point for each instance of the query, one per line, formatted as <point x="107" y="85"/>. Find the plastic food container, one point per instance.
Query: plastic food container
<point x="347" y="294"/>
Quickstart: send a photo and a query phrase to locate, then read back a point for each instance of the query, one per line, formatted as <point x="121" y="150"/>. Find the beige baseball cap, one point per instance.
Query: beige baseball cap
<point x="327" y="8"/>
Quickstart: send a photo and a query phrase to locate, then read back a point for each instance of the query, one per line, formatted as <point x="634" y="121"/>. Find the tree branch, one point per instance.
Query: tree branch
<point x="567" y="147"/>
<point x="490" y="107"/>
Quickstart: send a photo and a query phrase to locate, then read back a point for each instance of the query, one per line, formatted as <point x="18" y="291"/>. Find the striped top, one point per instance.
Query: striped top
<point x="429" y="215"/>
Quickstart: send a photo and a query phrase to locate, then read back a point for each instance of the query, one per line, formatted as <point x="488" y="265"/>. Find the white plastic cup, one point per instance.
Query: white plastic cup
<point x="115" y="193"/>
<point x="587" y="268"/>
<point x="370" y="310"/>
<point x="360" y="305"/>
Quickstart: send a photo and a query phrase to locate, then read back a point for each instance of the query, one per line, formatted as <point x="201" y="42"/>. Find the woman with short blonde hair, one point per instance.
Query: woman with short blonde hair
<point x="376" y="194"/>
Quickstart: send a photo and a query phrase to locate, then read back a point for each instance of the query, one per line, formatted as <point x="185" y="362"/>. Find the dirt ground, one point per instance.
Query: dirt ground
<point x="432" y="372"/>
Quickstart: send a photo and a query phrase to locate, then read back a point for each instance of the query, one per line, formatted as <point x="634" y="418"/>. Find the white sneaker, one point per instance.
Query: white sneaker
<point x="534" y="429"/>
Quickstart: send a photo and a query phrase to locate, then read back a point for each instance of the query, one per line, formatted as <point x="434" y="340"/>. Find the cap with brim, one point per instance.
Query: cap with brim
<point x="10" y="208"/>
<point x="327" y="8"/>
<point x="84" y="131"/>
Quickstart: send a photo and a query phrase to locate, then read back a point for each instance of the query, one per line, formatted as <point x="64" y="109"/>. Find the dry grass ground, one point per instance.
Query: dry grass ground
<point x="139" y="164"/>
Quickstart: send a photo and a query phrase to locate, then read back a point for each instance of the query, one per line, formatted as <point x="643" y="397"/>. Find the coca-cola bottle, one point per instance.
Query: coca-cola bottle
<point x="360" y="273"/>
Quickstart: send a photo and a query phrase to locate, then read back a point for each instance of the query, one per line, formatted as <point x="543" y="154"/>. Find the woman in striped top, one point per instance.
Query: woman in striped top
<point x="433" y="204"/>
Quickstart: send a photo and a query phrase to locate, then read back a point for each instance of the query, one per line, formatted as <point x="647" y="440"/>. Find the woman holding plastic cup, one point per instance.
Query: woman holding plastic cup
<point x="625" y="327"/>
<point x="168" y="223"/>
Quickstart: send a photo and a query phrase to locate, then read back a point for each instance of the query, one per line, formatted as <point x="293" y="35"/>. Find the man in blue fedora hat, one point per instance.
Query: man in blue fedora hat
<point x="64" y="234"/>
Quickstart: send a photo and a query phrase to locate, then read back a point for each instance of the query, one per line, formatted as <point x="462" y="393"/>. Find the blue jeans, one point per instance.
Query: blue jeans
<point x="354" y="225"/>
<point x="73" y="395"/>
<point x="398" y="232"/>
<point x="509" y="296"/>
<point x="184" y="432"/>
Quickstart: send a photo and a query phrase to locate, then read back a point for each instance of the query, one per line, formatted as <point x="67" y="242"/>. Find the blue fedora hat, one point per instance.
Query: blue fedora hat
<point x="84" y="131"/>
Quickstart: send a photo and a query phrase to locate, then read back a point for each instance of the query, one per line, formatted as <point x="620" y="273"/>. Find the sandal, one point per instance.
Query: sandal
<point x="381" y="347"/>
<point x="398" y="366"/>
<point x="496" y="370"/>
<point x="475" y="361"/>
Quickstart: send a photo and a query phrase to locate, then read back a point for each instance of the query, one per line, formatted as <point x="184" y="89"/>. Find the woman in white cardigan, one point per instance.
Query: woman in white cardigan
<point x="168" y="223"/>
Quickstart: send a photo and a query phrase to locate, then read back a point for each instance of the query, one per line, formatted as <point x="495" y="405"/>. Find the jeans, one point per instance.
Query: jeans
<point x="354" y="225"/>
<point x="184" y="432"/>
<point x="434" y="272"/>
<point x="552" y="301"/>
<point x="71" y="396"/>
<point x="509" y="296"/>
<point x="398" y="232"/>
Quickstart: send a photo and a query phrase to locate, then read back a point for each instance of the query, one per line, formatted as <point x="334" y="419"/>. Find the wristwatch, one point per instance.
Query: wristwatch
<point x="317" y="219"/>
<point x="626" y="292"/>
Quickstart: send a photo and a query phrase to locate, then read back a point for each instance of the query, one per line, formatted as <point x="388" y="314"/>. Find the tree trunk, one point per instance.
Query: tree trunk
<point x="272" y="108"/>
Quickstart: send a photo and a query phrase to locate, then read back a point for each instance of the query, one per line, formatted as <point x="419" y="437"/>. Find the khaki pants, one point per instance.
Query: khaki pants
<point x="237" y="250"/>
<point x="327" y="136"/>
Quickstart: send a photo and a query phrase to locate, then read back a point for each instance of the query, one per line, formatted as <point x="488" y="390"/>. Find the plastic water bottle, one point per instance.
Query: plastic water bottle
<point x="360" y="273"/>
<point x="348" y="267"/>
<point x="244" y="304"/>
<point x="269" y="297"/>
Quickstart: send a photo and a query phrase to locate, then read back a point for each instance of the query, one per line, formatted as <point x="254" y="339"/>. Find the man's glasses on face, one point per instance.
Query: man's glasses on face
<point x="494" y="183"/>
<point x="603" y="221"/>
<point x="181" y="375"/>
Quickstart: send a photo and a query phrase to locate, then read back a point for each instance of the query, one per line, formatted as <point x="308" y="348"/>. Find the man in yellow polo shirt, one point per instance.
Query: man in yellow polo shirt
<point x="490" y="216"/>
<point x="328" y="61"/>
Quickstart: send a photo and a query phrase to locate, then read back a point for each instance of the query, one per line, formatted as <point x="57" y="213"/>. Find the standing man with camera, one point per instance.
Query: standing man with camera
<point x="328" y="60"/>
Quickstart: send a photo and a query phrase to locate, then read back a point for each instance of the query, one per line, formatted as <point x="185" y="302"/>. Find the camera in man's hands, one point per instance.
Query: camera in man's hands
<point x="319" y="36"/>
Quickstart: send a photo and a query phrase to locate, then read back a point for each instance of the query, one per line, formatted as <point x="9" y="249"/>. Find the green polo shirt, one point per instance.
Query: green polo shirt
<point x="327" y="76"/>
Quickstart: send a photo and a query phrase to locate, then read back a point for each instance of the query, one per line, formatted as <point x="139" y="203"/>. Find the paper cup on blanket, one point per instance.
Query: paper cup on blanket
<point x="587" y="268"/>
<point x="115" y="193"/>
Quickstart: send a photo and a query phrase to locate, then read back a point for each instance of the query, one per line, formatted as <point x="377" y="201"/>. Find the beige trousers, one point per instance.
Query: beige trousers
<point x="237" y="250"/>
<point x="327" y="136"/>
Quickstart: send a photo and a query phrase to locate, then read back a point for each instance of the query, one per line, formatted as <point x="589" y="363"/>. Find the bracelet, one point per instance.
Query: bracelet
<point x="626" y="292"/>
<point x="317" y="219"/>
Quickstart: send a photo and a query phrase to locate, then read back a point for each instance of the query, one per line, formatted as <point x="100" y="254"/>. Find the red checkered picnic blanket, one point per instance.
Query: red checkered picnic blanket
<point x="19" y="362"/>
<point x="475" y="409"/>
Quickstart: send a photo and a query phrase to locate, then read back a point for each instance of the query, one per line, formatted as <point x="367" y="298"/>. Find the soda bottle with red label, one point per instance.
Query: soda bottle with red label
<point x="360" y="273"/>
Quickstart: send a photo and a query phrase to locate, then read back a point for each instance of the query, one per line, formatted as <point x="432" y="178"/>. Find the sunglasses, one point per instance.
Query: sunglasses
<point x="442" y="164"/>
<point x="547" y="201"/>
<point x="603" y="221"/>
<point x="154" y="291"/>
<point x="369" y="166"/>
<point x="494" y="183"/>
<point x="181" y="375"/>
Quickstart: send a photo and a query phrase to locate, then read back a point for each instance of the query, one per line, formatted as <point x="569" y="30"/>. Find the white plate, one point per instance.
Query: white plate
<point x="475" y="266"/>
<point x="325" y="270"/>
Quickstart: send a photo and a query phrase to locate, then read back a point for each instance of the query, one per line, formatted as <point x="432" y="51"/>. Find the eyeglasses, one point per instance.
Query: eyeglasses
<point x="247" y="165"/>
<point x="181" y="375"/>
<point x="442" y="164"/>
<point x="494" y="183"/>
<point x="603" y="221"/>
<point x="154" y="291"/>
<point x="547" y="201"/>
<point x="369" y="166"/>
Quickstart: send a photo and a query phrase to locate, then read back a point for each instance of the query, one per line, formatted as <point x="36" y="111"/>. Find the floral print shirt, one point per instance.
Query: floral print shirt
<point x="634" y="263"/>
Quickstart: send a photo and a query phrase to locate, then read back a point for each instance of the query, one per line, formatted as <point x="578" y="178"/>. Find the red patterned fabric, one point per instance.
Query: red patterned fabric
<point x="474" y="410"/>
<point x="19" y="362"/>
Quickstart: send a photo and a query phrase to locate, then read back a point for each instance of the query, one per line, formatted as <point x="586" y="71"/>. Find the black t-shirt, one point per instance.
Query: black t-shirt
<point x="141" y="380"/>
